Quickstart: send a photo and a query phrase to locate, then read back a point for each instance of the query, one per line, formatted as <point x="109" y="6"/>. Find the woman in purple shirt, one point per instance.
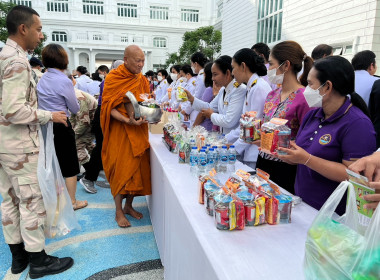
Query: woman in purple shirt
<point x="332" y="136"/>
<point x="207" y="96"/>
<point x="287" y="102"/>
<point x="56" y="93"/>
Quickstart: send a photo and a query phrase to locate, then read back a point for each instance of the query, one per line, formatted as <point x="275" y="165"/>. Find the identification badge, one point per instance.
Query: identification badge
<point x="225" y="103"/>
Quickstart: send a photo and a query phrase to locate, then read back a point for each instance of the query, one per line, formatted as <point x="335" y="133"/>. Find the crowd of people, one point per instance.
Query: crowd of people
<point x="331" y="106"/>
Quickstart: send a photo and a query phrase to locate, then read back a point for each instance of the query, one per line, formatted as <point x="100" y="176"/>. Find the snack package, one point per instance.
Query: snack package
<point x="250" y="127"/>
<point x="285" y="203"/>
<point x="181" y="94"/>
<point x="221" y="211"/>
<point x="260" y="211"/>
<point x="233" y="183"/>
<point x="184" y="151"/>
<point x="201" y="188"/>
<point x="236" y="214"/>
<point x="148" y="101"/>
<point x="275" y="134"/>
<point x="271" y="211"/>
<point x="249" y="206"/>
<point x="210" y="189"/>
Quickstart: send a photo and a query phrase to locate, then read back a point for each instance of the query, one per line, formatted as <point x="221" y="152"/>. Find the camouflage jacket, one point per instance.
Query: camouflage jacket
<point x="81" y="121"/>
<point x="19" y="116"/>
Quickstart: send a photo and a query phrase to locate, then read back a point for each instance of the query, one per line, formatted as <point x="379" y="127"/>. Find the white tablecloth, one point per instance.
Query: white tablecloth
<point x="191" y="247"/>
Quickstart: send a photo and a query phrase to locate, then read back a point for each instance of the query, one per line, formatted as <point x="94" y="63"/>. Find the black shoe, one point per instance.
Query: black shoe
<point x="20" y="258"/>
<point x="42" y="264"/>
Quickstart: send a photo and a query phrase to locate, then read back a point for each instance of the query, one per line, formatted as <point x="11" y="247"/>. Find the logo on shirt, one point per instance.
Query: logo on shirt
<point x="236" y="84"/>
<point x="194" y="83"/>
<point x="325" y="139"/>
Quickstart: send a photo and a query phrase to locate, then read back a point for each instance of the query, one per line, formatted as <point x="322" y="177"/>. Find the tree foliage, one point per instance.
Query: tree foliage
<point x="204" y="39"/>
<point x="5" y="7"/>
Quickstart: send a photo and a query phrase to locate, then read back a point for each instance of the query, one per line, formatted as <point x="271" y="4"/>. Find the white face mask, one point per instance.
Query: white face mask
<point x="273" y="78"/>
<point x="173" y="76"/>
<point x="101" y="76"/>
<point x="159" y="78"/>
<point x="313" y="97"/>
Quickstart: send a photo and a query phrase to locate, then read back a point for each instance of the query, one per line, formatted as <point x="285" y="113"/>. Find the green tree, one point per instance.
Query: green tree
<point x="5" y="7"/>
<point x="204" y="39"/>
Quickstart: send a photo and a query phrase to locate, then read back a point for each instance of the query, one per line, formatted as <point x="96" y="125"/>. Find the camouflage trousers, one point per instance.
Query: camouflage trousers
<point x="22" y="210"/>
<point x="85" y="145"/>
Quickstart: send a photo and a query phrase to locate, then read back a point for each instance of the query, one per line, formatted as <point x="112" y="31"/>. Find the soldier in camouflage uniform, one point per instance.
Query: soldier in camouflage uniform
<point x="81" y="123"/>
<point x="22" y="209"/>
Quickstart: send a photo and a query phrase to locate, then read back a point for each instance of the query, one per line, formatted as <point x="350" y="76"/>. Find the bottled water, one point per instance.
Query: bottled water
<point x="194" y="161"/>
<point x="210" y="159"/>
<point x="223" y="160"/>
<point x="216" y="157"/>
<point x="192" y="143"/>
<point x="208" y="147"/>
<point x="202" y="162"/>
<point x="231" y="158"/>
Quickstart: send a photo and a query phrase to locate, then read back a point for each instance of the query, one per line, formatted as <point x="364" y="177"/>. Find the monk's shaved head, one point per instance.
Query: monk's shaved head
<point x="134" y="59"/>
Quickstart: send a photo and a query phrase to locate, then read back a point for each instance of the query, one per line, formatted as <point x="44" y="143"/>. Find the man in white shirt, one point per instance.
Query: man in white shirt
<point x="364" y="63"/>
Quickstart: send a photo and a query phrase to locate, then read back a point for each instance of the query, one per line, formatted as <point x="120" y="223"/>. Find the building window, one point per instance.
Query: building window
<point x="348" y="49"/>
<point x="220" y="10"/>
<point x="92" y="7"/>
<point x="138" y="39"/>
<point x="161" y="13"/>
<point x="337" y="50"/>
<point x="127" y="10"/>
<point x="58" y="36"/>
<point x="27" y="3"/>
<point x="159" y="42"/>
<point x="269" y="23"/>
<point x="189" y="15"/>
<point x="97" y="37"/>
<point x="58" y="6"/>
<point x="124" y="38"/>
<point x="157" y="67"/>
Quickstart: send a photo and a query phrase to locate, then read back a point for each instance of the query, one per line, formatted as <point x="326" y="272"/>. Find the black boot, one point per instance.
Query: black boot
<point x="42" y="264"/>
<point x="20" y="258"/>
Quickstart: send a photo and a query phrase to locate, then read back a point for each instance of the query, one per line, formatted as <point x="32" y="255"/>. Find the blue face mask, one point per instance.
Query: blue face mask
<point x="155" y="83"/>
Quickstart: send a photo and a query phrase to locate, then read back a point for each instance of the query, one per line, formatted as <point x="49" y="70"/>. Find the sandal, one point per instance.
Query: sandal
<point x="79" y="204"/>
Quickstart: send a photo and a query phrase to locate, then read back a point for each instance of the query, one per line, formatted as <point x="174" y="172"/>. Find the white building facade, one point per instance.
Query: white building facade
<point x="94" y="32"/>
<point x="349" y="26"/>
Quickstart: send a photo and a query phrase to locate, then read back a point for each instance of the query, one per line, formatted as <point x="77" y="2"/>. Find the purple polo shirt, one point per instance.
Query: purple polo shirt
<point x="347" y="135"/>
<point x="101" y="86"/>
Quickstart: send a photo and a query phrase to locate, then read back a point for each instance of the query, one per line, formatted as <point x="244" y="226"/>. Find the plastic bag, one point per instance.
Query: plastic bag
<point x="60" y="216"/>
<point x="339" y="247"/>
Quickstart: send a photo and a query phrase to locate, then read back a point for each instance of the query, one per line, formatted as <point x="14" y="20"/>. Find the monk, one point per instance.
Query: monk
<point x="125" y="151"/>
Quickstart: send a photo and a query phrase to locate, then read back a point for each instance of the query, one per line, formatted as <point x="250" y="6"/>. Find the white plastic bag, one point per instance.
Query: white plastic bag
<point x="340" y="247"/>
<point x="60" y="216"/>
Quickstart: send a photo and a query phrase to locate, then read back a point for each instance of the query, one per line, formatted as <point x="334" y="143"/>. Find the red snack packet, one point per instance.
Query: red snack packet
<point x="271" y="211"/>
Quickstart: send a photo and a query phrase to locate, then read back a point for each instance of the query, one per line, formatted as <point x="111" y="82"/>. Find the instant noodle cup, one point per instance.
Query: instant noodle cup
<point x="285" y="208"/>
<point x="249" y="207"/>
<point x="210" y="190"/>
<point x="221" y="211"/>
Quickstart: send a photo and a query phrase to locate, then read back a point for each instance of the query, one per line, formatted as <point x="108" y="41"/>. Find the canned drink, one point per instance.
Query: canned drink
<point x="222" y="219"/>
<point x="250" y="214"/>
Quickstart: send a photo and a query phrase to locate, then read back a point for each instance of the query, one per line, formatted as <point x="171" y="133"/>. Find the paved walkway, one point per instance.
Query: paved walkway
<point x="101" y="250"/>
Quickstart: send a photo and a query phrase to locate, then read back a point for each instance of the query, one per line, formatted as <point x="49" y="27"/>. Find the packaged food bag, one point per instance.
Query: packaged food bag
<point x="339" y="247"/>
<point x="60" y="216"/>
<point x="181" y="94"/>
<point x="250" y="127"/>
<point x="275" y="134"/>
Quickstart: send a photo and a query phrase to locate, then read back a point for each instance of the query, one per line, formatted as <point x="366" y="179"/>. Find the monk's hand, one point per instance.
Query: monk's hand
<point x="207" y="113"/>
<point x="189" y="96"/>
<point x="133" y="121"/>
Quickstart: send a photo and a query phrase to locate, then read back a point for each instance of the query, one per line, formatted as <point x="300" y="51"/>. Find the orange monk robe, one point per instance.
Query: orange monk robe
<point x="125" y="152"/>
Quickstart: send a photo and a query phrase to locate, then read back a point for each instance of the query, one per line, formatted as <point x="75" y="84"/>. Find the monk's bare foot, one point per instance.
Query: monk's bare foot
<point x="132" y="212"/>
<point x="121" y="220"/>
